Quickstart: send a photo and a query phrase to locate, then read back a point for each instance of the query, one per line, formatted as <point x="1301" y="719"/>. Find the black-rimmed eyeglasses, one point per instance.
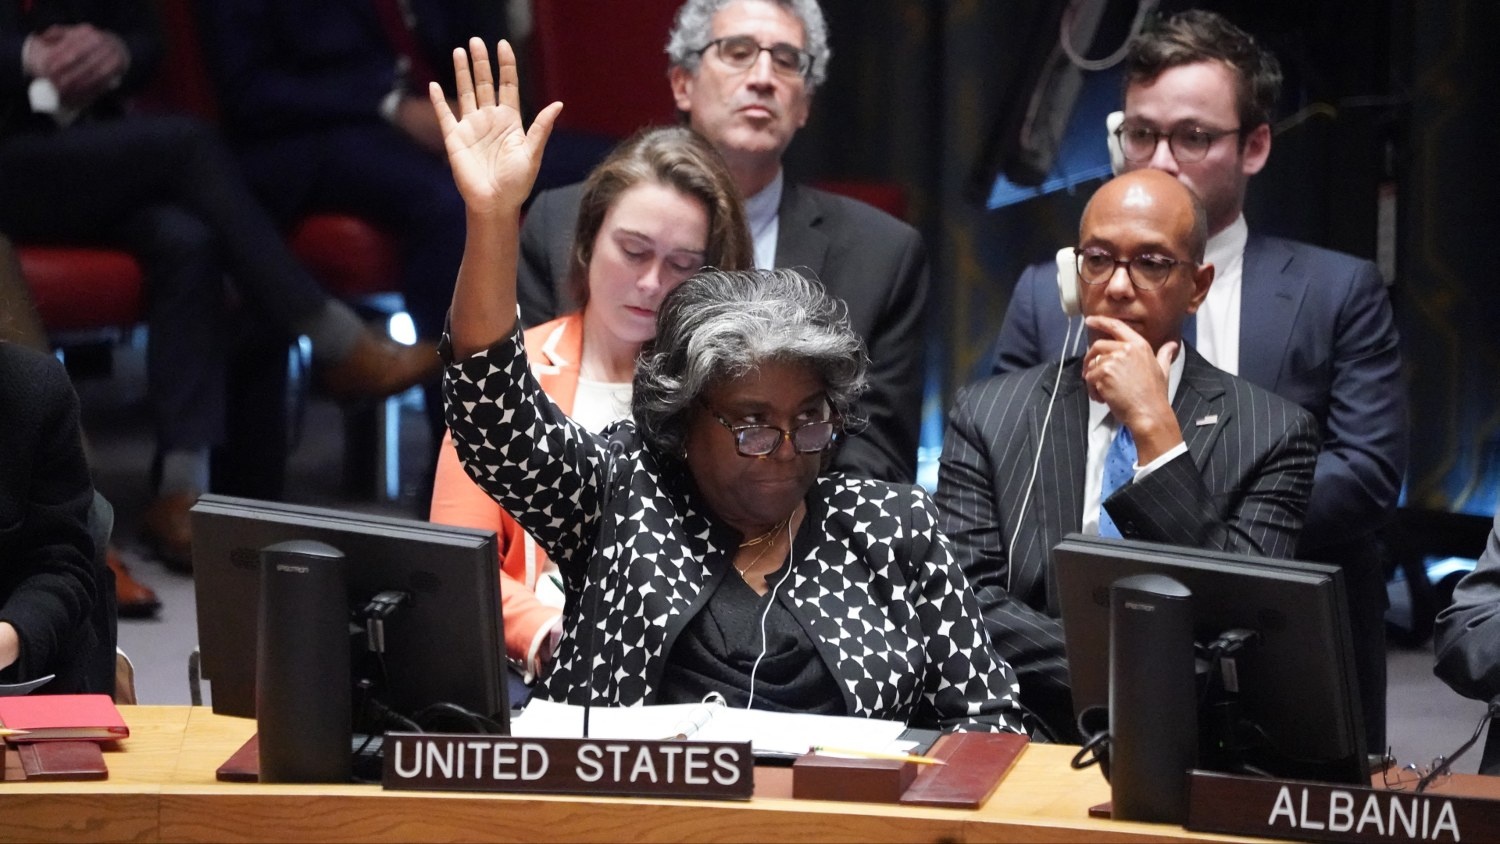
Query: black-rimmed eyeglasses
<point x="763" y="440"/>
<point x="1189" y="144"/>
<point x="1146" y="272"/>
<point x="741" y="52"/>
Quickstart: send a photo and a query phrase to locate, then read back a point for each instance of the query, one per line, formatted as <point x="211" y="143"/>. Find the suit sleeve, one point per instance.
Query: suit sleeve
<point x="1467" y="639"/>
<point x="513" y="441"/>
<point x="1174" y="505"/>
<point x="970" y="510"/>
<point x="536" y="284"/>
<point x="48" y="551"/>
<point x="968" y="686"/>
<point x="1363" y="461"/>
<point x="456" y="500"/>
<point x="1019" y="344"/>
<point x="887" y="448"/>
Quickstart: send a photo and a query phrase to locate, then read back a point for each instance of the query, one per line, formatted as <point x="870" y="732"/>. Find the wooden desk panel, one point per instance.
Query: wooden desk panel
<point x="162" y="787"/>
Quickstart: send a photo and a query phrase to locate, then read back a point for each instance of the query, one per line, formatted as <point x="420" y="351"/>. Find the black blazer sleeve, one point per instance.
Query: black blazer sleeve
<point x="48" y="588"/>
<point x="546" y="241"/>
<point x="887" y="448"/>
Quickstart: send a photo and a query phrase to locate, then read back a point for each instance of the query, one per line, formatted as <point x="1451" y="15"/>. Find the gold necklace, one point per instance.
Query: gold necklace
<point x="768" y="534"/>
<point x="744" y="572"/>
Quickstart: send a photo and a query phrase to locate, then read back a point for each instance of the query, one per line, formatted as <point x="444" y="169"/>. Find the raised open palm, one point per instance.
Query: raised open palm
<point x="494" y="159"/>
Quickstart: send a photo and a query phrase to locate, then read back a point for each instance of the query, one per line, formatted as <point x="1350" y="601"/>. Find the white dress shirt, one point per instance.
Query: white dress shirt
<point x="763" y="213"/>
<point x="1218" y="331"/>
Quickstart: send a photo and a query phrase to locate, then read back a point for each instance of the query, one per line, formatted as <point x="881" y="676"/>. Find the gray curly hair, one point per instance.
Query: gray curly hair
<point x="719" y="325"/>
<point x="693" y="29"/>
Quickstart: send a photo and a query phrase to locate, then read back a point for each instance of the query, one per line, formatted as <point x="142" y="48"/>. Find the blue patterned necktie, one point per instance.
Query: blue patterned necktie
<point x="1119" y="469"/>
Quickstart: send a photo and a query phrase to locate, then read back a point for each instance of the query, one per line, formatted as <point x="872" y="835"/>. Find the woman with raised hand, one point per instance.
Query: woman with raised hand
<point x="662" y="205"/>
<point x="702" y="545"/>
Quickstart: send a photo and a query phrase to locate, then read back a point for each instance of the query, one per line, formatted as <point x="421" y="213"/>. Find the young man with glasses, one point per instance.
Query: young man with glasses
<point x="1139" y="438"/>
<point x="743" y="74"/>
<point x="1309" y="324"/>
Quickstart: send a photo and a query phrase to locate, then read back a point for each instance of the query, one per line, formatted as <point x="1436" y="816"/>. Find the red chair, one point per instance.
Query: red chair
<point x="82" y="289"/>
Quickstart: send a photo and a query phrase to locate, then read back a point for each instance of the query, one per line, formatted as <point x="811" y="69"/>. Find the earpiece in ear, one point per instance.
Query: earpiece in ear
<point x="1067" y="282"/>
<point x="1111" y="140"/>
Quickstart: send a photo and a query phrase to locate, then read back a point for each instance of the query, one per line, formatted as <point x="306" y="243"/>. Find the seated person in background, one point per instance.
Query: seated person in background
<point x="701" y="543"/>
<point x="743" y="74"/>
<point x="1139" y="438"/>
<point x="658" y="208"/>
<point x="21" y="324"/>
<point x="1467" y="640"/>
<point x="79" y="170"/>
<point x="50" y="584"/>
<point x="326" y="105"/>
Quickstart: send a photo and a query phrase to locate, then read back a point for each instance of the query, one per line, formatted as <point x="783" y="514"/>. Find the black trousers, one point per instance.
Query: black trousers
<point x="166" y="190"/>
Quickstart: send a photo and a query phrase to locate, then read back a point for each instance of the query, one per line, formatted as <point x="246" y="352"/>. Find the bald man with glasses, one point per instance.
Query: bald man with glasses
<point x="1139" y="438"/>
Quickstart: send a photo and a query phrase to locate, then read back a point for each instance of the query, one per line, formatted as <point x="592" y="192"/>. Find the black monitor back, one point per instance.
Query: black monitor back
<point x="1297" y="682"/>
<point x="445" y="645"/>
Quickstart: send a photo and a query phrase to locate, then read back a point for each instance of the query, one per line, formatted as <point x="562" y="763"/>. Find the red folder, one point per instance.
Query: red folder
<point x="63" y="718"/>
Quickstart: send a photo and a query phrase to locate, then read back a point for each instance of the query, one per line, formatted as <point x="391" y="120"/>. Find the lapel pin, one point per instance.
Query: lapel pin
<point x="1210" y="419"/>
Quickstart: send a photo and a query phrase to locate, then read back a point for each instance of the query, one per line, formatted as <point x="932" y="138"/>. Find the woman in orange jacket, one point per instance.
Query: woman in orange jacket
<point x="660" y="207"/>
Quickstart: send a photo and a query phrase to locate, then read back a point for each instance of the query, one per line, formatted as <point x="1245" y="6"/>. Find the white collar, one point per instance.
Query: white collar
<point x="1228" y="246"/>
<point x="762" y="208"/>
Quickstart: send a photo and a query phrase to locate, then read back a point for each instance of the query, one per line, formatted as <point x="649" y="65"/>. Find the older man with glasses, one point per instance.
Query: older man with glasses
<point x="743" y="74"/>
<point x="1140" y="438"/>
<point x="1308" y="324"/>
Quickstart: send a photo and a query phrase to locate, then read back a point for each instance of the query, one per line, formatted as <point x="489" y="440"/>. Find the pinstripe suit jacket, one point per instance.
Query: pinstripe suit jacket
<point x="1243" y="486"/>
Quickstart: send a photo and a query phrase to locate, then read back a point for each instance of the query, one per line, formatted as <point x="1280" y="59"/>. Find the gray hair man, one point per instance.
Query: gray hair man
<point x="743" y="74"/>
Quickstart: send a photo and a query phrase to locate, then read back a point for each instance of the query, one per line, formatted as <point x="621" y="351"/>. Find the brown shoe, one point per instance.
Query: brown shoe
<point x="133" y="599"/>
<point x="166" y="528"/>
<point x="378" y="366"/>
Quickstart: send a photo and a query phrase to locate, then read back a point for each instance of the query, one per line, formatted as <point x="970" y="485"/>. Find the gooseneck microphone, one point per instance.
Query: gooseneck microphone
<point x="590" y="622"/>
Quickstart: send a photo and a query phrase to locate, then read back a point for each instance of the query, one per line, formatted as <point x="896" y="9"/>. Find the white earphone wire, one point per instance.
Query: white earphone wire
<point x="790" y="563"/>
<point x="1069" y="340"/>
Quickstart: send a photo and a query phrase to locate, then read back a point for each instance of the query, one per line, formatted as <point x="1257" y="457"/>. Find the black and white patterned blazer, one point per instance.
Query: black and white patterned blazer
<point x="873" y="581"/>
<point x="1242" y="486"/>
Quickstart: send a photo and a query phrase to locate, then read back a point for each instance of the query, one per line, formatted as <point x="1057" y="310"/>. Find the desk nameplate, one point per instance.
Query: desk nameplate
<point x="671" y="768"/>
<point x="1311" y="811"/>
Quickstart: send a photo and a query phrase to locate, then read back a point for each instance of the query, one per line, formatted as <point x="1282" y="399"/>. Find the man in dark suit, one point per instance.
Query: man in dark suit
<point x="1309" y="324"/>
<point x="75" y="168"/>
<point x="743" y="73"/>
<point x="326" y="105"/>
<point x="1139" y="438"/>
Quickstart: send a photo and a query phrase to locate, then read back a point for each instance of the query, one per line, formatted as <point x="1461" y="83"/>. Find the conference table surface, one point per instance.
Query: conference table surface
<point x="162" y="787"/>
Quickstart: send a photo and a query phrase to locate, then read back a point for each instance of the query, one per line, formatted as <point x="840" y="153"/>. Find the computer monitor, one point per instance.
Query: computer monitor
<point x="444" y="644"/>
<point x="1297" y="703"/>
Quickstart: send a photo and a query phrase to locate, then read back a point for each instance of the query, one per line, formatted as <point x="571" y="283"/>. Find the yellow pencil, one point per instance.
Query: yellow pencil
<point x="6" y="732"/>
<point x="875" y="754"/>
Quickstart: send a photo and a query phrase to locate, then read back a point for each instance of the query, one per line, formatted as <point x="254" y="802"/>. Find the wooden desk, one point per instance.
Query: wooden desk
<point x="162" y="788"/>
